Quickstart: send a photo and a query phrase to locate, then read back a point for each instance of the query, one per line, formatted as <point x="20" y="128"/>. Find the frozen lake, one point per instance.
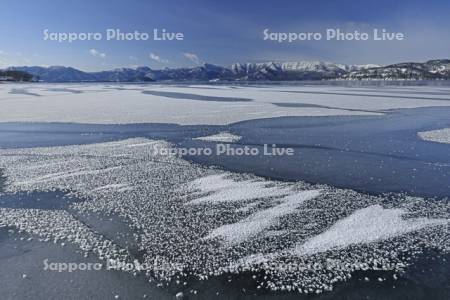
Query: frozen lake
<point x="204" y="105"/>
<point x="365" y="194"/>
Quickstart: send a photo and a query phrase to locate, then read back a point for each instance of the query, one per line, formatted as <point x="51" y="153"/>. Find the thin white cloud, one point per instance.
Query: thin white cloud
<point x="2" y="62"/>
<point x="158" y="58"/>
<point x="11" y="59"/>
<point x="96" y="53"/>
<point x="131" y="57"/>
<point x="192" y="57"/>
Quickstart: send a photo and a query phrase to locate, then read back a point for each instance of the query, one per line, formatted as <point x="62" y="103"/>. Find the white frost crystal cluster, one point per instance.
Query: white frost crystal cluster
<point x="190" y="219"/>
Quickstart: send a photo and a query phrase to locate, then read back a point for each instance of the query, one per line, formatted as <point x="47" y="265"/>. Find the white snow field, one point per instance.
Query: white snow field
<point x="194" y="105"/>
<point x="188" y="217"/>
<point x="438" y="136"/>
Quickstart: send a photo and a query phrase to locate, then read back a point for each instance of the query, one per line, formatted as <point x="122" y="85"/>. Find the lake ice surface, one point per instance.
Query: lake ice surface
<point x="119" y="104"/>
<point x="214" y="221"/>
<point x="191" y="217"/>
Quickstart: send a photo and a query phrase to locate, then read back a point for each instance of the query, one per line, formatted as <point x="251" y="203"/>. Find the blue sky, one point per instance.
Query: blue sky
<point x="219" y="32"/>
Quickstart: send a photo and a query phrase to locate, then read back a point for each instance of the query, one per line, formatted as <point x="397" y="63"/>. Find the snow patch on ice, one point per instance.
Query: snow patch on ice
<point x="225" y="137"/>
<point x="260" y="221"/>
<point x="63" y="175"/>
<point x="220" y="188"/>
<point x="370" y="224"/>
<point x="438" y="136"/>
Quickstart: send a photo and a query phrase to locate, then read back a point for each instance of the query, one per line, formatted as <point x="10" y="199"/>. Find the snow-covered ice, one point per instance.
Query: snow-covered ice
<point x="224" y="137"/>
<point x="219" y="188"/>
<point x="262" y="220"/>
<point x="98" y="103"/>
<point x="438" y="136"/>
<point x="366" y="225"/>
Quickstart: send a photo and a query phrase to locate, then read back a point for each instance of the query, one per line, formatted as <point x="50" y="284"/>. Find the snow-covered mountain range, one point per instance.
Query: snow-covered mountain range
<point x="432" y="69"/>
<point x="268" y="71"/>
